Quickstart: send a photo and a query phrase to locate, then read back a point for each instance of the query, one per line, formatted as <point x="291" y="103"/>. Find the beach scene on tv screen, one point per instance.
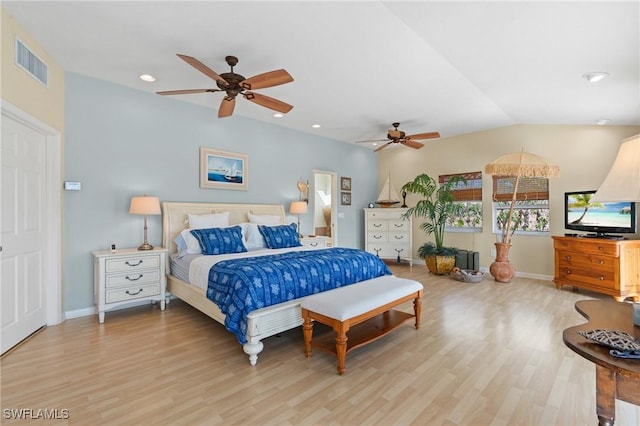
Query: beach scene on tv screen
<point x="599" y="214"/>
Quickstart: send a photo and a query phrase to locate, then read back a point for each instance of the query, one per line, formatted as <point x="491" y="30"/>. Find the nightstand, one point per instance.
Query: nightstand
<point x="128" y="275"/>
<point x="315" y="241"/>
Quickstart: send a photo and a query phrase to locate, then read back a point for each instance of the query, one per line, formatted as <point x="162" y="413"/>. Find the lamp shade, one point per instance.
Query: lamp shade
<point x="144" y="205"/>
<point x="299" y="207"/>
<point x="623" y="181"/>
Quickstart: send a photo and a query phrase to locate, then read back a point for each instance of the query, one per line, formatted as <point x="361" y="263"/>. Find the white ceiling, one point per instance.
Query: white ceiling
<point x="453" y="67"/>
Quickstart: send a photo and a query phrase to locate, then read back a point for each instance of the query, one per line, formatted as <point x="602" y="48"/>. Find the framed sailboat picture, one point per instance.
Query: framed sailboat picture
<point x="223" y="170"/>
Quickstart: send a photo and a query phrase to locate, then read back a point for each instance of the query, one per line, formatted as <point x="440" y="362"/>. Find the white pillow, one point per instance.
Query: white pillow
<point x="254" y="239"/>
<point x="264" y="219"/>
<point x="204" y="221"/>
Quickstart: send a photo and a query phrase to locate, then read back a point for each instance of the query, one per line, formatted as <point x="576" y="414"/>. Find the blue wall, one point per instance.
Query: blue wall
<point x="121" y="142"/>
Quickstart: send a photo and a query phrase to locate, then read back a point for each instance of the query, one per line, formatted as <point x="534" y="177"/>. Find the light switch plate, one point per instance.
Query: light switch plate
<point x="72" y="186"/>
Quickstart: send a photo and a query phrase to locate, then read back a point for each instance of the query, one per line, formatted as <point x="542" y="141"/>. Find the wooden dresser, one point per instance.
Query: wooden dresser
<point x="605" y="266"/>
<point x="388" y="234"/>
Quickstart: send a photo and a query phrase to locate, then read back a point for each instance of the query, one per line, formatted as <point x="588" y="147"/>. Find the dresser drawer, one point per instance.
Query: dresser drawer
<point x="399" y="225"/>
<point x="377" y="237"/>
<point x="132" y="292"/>
<point x="133" y="278"/>
<point x="573" y="259"/>
<point x="132" y="263"/>
<point x="587" y="246"/>
<point x="377" y="225"/>
<point x="389" y="250"/>
<point x="593" y="278"/>
<point x="398" y="237"/>
<point x="385" y="214"/>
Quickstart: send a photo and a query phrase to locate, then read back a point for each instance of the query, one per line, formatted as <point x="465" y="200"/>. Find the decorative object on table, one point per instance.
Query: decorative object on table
<point x="370" y="205"/>
<point x="303" y="187"/>
<point x="614" y="339"/>
<point x="517" y="165"/>
<point x="223" y="170"/>
<point x="298" y="208"/>
<point x="623" y="180"/>
<point x="345" y="183"/>
<point x="235" y="84"/>
<point x="404" y="199"/>
<point x="145" y="206"/>
<point x="345" y="198"/>
<point x="636" y="313"/>
<point x="388" y="196"/>
<point x="435" y="207"/>
<point x="395" y="136"/>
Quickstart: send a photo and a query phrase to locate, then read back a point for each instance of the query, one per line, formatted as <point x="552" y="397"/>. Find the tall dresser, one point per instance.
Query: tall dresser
<point x="388" y="234"/>
<point x="605" y="266"/>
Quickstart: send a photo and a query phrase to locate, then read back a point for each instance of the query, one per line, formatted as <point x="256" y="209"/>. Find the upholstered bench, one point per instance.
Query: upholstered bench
<point x="366" y="304"/>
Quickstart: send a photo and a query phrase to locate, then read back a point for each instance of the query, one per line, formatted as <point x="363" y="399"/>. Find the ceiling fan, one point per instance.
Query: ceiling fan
<point x="397" y="136"/>
<point x="235" y="84"/>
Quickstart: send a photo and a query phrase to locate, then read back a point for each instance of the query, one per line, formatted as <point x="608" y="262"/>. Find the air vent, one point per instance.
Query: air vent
<point x="29" y="62"/>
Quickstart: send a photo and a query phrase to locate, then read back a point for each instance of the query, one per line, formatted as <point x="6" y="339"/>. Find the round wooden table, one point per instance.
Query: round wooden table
<point x="615" y="377"/>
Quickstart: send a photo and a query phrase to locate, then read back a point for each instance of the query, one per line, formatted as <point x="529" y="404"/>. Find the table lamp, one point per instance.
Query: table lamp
<point x="298" y="208"/>
<point x="145" y="205"/>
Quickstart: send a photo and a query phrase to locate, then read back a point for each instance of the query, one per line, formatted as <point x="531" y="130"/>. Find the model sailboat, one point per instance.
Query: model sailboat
<point x="388" y="196"/>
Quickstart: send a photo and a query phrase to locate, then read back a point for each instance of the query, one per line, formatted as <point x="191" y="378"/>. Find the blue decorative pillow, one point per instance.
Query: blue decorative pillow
<point x="220" y="240"/>
<point x="281" y="236"/>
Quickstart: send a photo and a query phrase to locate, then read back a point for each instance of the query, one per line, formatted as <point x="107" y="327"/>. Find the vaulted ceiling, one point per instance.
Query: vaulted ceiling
<point x="453" y="67"/>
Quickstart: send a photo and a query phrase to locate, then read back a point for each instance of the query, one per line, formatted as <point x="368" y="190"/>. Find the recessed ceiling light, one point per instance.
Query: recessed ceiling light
<point x="374" y="143"/>
<point x="278" y="115"/>
<point x="603" y="121"/>
<point x="315" y="126"/>
<point x="147" y="77"/>
<point x="593" y="77"/>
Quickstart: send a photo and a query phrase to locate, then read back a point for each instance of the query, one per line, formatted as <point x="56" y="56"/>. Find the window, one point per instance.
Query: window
<point x="531" y="210"/>
<point x="469" y="196"/>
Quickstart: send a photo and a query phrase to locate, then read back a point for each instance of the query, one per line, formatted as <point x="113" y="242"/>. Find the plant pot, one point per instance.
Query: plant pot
<point x="440" y="265"/>
<point x="502" y="270"/>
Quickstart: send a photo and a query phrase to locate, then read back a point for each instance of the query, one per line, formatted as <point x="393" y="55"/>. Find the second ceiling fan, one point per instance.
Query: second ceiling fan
<point x="235" y="84"/>
<point x="398" y="136"/>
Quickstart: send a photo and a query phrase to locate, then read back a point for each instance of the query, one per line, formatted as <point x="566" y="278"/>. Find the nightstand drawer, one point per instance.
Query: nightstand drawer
<point x="133" y="278"/>
<point x="131" y="263"/>
<point x="133" y="292"/>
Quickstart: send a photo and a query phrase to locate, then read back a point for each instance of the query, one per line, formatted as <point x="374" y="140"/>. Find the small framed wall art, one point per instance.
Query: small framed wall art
<point x="345" y="183"/>
<point x="223" y="170"/>
<point x="345" y="198"/>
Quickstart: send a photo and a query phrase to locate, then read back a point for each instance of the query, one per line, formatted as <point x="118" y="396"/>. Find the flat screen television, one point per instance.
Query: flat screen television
<point x="601" y="219"/>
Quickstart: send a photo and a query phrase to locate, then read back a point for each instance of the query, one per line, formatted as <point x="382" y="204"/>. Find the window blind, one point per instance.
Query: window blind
<point x="529" y="188"/>
<point x="470" y="191"/>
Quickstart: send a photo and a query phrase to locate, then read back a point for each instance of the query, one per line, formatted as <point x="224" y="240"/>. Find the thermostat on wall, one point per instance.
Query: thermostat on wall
<point x="72" y="186"/>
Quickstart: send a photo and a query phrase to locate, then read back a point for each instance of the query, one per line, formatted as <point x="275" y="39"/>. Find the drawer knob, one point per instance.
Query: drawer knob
<point x="568" y="271"/>
<point x="130" y="293"/>
<point x="567" y="257"/>
<point x="601" y="278"/>
<point x="377" y="237"/>
<point x="377" y="225"/>
<point x="399" y="237"/>
<point x="314" y="244"/>
<point x="600" y="248"/>
<point x="600" y="261"/>
<point x="134" y="264"/>
<point x="399" y="225"/>
<point x="134" y="279"/>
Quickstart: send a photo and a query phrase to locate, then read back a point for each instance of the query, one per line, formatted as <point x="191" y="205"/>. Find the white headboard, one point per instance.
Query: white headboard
<point x="175" y="215"/>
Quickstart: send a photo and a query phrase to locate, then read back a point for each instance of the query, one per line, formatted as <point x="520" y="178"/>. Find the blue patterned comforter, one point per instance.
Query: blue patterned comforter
<point x="240" y="286"/>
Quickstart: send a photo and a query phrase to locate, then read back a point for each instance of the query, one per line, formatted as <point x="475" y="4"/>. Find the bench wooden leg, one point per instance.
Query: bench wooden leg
<point x="417" y="309"/>
<point x="341" y="344"/>
<point x="307" y="331"/>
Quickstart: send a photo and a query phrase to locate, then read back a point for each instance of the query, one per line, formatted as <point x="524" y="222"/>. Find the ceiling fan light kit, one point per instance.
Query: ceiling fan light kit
<point x="234" y="84"/>
<point x="395" y="136"/>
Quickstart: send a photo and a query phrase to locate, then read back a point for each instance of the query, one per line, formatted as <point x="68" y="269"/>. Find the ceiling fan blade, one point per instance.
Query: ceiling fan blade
<point x="268" y="102"/>
<point x="431" y="135"/>
<point x="382" y="147"/>
<point x="185" y="92"/>
<point x="267" y="79"/>
<point x="226" y="107"/>
<point x="202" y="68"/>
<point x="412" y="144"/>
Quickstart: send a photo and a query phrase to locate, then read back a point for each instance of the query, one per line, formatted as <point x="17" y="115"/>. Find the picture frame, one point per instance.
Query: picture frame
<point x="223" y="169"/>
<point x="345" y="183"/>
<point x="345" y="198"/>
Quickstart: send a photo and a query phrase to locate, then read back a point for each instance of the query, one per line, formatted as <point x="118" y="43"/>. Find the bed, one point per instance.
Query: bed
<point x="260" y="323"/>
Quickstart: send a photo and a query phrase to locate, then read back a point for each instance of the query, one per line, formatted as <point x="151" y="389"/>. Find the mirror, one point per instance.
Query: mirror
<point x="325" y="205"/>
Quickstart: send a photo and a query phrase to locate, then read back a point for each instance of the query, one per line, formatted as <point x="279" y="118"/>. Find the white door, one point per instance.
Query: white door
<point x="23" y="238"/>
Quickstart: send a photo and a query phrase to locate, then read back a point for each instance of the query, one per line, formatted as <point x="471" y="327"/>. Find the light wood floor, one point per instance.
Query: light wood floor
<point x="487" y="354"/>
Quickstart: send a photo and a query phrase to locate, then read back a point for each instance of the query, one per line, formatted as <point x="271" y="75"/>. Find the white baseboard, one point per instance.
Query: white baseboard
<point x="94" y="309"/>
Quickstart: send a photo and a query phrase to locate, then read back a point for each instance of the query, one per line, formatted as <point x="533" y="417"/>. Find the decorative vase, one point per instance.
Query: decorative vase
<point x="502" y="270"/>
<point x="440" y="265"/>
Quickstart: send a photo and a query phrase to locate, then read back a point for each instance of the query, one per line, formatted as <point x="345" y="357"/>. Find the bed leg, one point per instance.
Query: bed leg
<point x="253" y="349"/>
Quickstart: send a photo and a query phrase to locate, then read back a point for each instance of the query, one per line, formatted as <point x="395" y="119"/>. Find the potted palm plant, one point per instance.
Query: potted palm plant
<point x="435" y="207"/>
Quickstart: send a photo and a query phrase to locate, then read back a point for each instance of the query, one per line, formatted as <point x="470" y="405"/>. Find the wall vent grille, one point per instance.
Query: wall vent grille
<point x="29" y="62"/>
